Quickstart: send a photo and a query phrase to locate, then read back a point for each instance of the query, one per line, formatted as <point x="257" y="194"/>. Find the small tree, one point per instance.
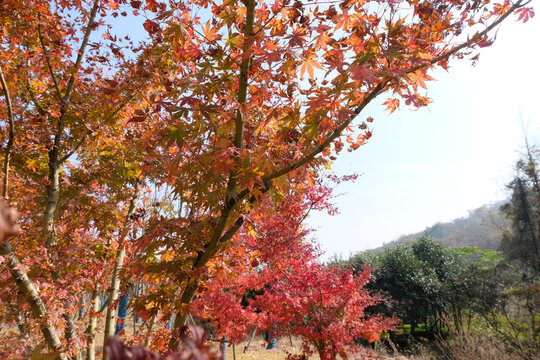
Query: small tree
<point x="290" y="292"/>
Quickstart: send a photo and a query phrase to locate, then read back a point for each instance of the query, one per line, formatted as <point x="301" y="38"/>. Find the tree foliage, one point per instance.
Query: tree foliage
<point x="426" y="283"/>
<point x="289" y="291"/>
<point x="522" y="242"/>
<point x="409" y="281"/>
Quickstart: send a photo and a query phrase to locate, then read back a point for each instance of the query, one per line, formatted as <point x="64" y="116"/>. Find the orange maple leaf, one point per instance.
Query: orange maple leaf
<point x="392" y="105"/>
<point x="210" y="32"/>
<point x="308" y="65"/>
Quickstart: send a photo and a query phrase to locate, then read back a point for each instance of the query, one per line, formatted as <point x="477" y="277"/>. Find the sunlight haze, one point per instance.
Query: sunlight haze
<point x="434" y="164"/>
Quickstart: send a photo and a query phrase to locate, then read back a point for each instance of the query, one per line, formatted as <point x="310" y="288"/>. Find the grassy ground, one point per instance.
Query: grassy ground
<point x="257" y="351"/>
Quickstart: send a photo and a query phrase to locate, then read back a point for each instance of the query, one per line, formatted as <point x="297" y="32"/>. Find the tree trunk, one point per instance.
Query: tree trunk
<point x="182" y="315"/>
<point x="53" y="193"/>
<point x="70" y="332"/>
<point x="11" y="133"/>
<point x="19" y="318"/>
<point x="91" y="348"/>
<point x="36" y="303"/>
<point x="246" y="348"/>
<point x="110" y="319"/>
<point x="150" y="328"/>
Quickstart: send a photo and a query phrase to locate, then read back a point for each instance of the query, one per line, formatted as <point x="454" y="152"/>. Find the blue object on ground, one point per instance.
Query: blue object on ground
<point x="223" y="348"/>
<point x="271" y="340"/>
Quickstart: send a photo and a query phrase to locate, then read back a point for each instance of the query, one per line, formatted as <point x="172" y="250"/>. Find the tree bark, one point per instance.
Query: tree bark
<point x="113" y="292"/>
<point x="91" y="347"/>
<point x="37" y="306"/>
<point x="11" y="133"/>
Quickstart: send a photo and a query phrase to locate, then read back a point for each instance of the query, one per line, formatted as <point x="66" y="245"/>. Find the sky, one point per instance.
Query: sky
<point x="434" y="164"/>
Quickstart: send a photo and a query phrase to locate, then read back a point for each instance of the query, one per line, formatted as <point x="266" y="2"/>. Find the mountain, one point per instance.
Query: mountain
<point x="483" y="227"/>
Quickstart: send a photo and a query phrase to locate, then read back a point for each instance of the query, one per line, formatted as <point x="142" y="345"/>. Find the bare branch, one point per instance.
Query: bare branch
<point x="47" y="59"/>
<point x="80" y="53"/>
<point x="11" y="133"/>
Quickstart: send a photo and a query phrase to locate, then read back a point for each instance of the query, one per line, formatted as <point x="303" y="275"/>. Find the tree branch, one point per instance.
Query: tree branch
<point x="113" y="291"/>
<point x="372" y="95"/>
<point x="11" y="133"/>
<point x="470" y="42"/>
<point x="47" y="60"/>
<point x="80" y="53"/>
<point x="244" y="74"/>
<point x="37" y="305"/>
<point x="333" y="135"/>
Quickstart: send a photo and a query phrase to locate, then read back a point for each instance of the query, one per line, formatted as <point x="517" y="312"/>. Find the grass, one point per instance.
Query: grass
<point x="257" y="350"/>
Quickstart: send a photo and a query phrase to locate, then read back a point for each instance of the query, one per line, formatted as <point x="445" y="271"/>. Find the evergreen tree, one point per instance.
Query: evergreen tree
<point x="522" y="241"/>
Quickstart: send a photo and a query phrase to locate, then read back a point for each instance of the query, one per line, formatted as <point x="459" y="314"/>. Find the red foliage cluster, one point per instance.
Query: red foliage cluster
<point x="289" y="291"/>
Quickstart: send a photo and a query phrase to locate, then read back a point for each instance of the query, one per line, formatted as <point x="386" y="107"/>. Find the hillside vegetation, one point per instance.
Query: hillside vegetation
<point x="482" y="228"/>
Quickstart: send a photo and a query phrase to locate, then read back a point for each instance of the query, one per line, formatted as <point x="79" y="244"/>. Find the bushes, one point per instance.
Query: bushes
<point x="421" y="281"/>
<point x="473" y="301"/>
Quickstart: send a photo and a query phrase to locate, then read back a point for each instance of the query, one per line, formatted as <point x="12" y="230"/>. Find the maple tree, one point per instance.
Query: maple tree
<point x="144" y="158"/>
<point x="282" y="287"/>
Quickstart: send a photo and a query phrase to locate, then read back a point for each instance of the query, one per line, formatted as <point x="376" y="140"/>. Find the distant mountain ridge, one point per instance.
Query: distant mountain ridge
<point x="483" y="228"/>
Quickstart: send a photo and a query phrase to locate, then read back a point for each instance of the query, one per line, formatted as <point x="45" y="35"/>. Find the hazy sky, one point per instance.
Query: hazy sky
<point x="435" y="164"/>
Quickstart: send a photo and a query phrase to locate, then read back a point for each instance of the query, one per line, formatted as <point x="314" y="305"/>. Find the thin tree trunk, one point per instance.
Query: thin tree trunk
<point x="290" y="338"/>
<point x="110" y="319"/>
<point x="114" y="294"/>
<point x="19" y="318"/>
<point x="136" y="290"/>
<point x="182" y="316"/>
<point x="150" y="328"/>
<point x="21" y="278"/>
<point x="91" y="348"/>
<point x="246" y="348"/>
<point x="37" y="306"/>
<point x="11" y="133"/>
<point x="70" y="331"/>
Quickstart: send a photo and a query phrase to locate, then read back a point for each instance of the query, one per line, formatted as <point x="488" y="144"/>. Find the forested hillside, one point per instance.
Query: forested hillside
<point x="482" y="228"/>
